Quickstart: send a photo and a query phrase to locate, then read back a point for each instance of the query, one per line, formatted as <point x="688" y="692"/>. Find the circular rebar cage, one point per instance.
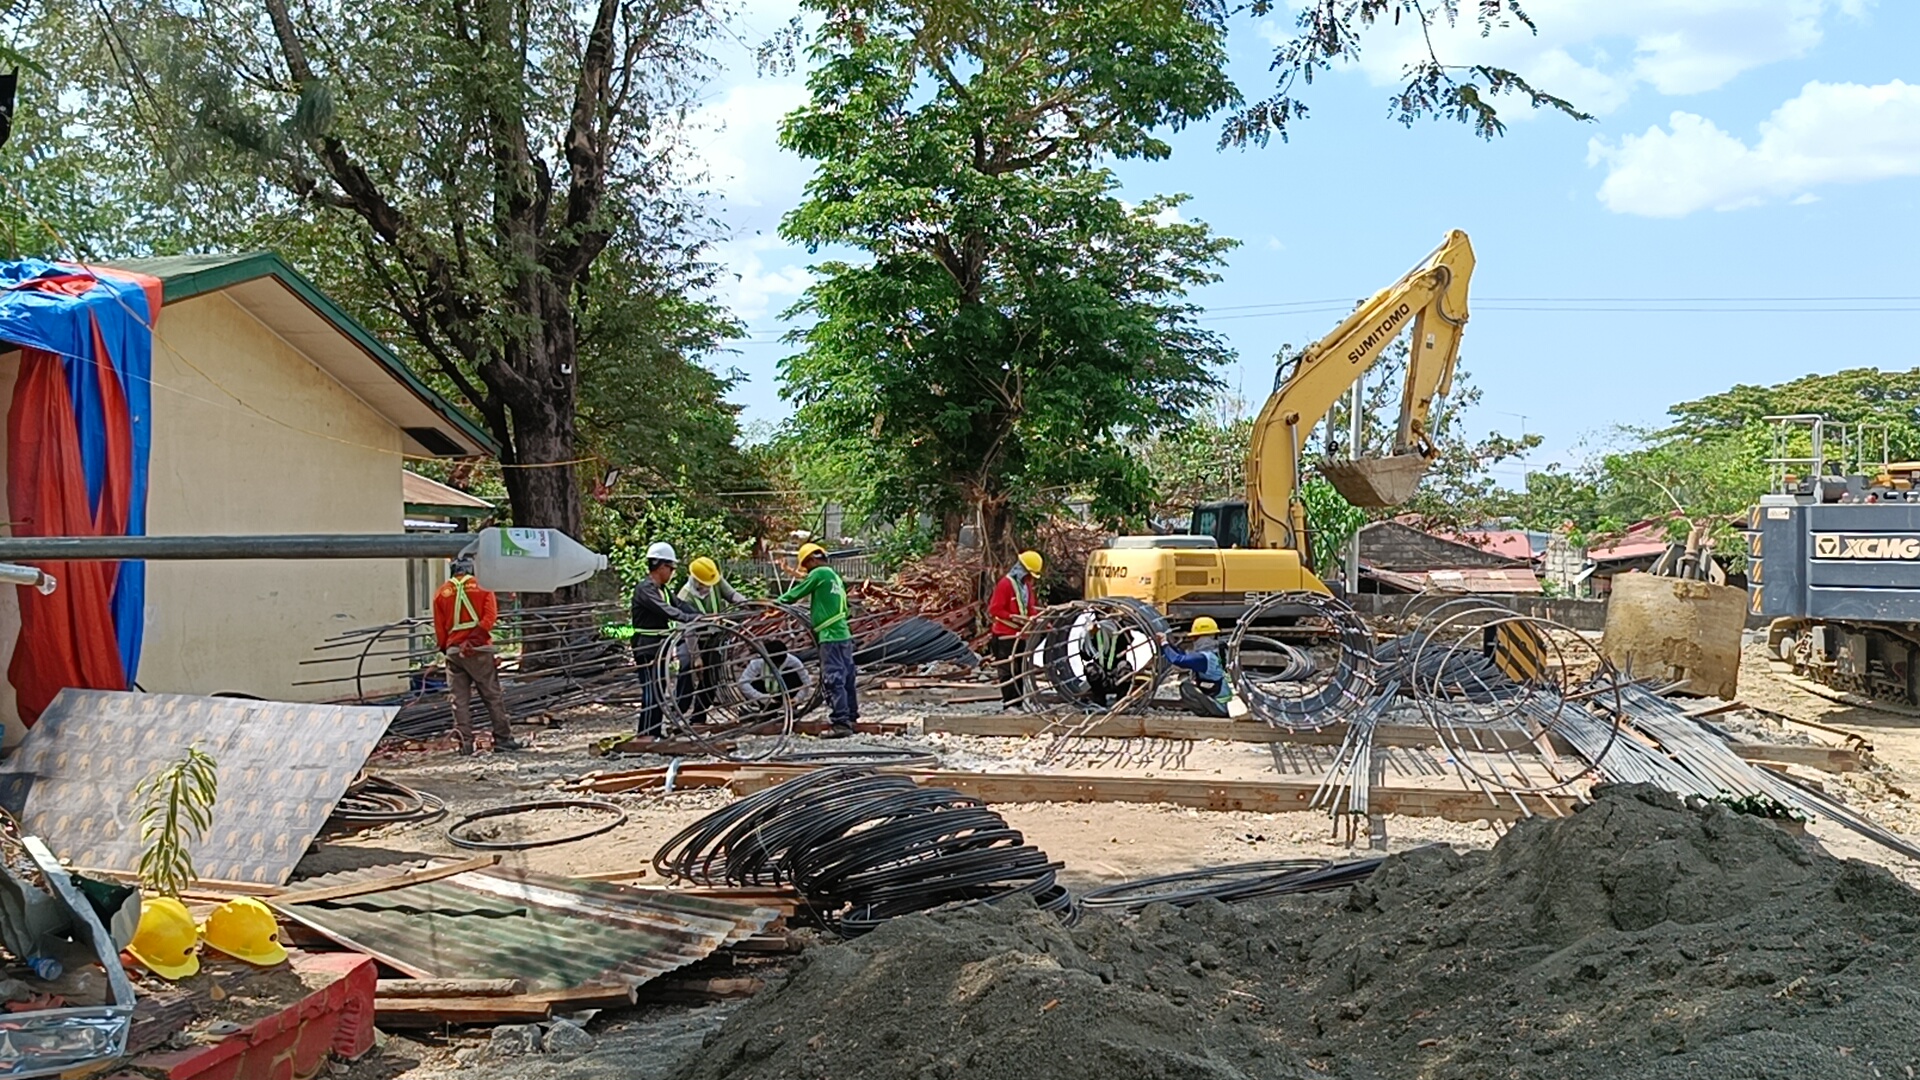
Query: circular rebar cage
<point x="1098" y="658"/>
<point x="1302" y="661"/>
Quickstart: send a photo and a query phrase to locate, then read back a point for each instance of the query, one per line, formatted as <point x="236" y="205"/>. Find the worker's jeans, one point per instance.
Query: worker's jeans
<point x="1012" y="687"/>
<point x="465" y="672"/>
<point x="648" y="652"/>
<point x="1199" y="702"/>
<point x="837" y="673"/>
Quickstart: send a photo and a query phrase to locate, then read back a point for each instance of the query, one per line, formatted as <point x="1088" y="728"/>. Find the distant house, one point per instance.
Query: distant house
<point x="270" y="411"/>
<point x="1397" y="557"/>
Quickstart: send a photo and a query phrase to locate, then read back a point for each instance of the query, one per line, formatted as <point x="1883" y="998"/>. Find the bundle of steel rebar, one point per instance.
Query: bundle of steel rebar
<point x="1234" y="883"/>
<point x="862" y="848"/>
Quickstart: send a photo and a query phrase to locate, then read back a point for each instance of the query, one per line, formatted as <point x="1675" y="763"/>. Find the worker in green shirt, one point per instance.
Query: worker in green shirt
<point x="827" y="595"/>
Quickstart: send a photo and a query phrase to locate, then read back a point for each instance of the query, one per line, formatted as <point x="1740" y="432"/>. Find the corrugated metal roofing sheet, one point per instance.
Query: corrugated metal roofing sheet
<point x="554" y="933"/>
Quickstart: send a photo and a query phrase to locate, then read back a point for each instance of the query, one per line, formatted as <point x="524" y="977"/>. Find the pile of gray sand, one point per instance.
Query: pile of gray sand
<point x="1640" y="938"/>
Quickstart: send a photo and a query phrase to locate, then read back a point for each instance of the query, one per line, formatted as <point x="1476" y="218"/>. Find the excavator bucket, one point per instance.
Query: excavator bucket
<point x="1374" y="483"/>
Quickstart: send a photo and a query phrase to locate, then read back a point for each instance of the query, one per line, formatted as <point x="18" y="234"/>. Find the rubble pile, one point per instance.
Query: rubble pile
<point x="1642" y="937"/>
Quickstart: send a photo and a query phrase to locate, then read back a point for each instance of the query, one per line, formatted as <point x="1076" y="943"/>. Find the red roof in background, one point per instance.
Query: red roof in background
<point x="1642" y="538"/>
<point x="1507" y="543"/>
<point x="1513" y="543"/>
<point x="1470" y="580"/>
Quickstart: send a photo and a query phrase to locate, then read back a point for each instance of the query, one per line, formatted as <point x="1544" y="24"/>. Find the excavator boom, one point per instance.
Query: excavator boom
<point x="1432" y="299"/>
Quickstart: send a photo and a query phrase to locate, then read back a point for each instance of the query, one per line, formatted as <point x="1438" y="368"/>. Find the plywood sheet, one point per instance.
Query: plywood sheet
<point x="282" y="767"/>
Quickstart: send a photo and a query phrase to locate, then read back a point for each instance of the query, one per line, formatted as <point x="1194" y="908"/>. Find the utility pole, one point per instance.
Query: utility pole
<point x="1355" y="433"/>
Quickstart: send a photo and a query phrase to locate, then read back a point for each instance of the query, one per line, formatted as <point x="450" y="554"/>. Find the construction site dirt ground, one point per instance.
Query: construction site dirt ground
<point x="1098" y="843"/>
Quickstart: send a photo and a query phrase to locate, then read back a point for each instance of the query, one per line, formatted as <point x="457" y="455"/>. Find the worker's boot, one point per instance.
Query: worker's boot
<point x="505" y="743"/>
<point x="464" y="748"/>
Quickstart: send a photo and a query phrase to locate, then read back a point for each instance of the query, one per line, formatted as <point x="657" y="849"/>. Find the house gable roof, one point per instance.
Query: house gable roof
<point x="265" y="286"/>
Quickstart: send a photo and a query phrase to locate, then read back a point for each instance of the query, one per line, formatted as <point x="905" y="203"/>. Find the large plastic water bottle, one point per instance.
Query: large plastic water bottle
<point x="532" y="560"/>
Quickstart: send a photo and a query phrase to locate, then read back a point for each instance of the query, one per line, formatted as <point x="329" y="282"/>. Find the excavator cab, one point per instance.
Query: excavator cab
<point x="1225" y="521"/>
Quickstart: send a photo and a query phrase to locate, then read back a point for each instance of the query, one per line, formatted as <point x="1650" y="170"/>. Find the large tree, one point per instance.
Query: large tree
<point x="1012" y="318"/>
<point x="467" y="163"/>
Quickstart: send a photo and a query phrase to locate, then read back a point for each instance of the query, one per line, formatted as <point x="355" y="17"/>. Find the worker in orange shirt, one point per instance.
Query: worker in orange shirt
<point x="463" y="618"/>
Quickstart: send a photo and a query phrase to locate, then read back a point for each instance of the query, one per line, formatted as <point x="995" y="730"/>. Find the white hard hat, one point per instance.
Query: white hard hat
<point x="661" y="551"/>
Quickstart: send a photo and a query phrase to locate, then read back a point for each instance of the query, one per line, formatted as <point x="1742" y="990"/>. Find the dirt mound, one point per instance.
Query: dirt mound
<point x="1640" y="938"/>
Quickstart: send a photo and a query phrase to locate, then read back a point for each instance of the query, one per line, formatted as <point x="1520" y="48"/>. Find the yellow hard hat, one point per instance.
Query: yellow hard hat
<point x="808" y="551"/>
<point x="1205" y="625"/>
<point x="1032" y="561"/>
<point x="244" y="929"/>
<point x="167" y="942"/>
<point x="703" y="570"/>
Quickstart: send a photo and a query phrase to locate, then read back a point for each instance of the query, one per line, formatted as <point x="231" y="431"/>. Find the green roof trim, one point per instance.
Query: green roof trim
<point x="183" y="277"/>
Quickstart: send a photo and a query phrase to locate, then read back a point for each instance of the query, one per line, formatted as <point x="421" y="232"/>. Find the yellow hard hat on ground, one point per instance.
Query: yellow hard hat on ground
<point x="1032" y="561"/>
<point x="808" y="551"/>
<point x="704" y="571"/>
<point x="245" y="930"/>
<point x="1205" y="625"/>
<point x="167" y="941"/>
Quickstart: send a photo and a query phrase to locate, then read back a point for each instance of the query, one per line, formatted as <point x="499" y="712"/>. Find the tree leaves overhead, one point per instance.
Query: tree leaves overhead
<point x="1329" y="32"/>
<point x="1010" y="318"/>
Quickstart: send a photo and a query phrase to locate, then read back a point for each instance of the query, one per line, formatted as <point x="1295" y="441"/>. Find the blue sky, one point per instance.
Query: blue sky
<point x="1760" y="155"/>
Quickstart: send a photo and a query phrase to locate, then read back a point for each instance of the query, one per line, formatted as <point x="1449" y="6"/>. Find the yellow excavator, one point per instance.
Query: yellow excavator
<point x="1239" y="550"/>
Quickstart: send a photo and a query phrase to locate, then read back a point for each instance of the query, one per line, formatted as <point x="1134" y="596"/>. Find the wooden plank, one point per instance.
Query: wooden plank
<point x="1257" y="796"/>
<point x="632" y="874"/>
<point x="1829" y="759"/>
<point x="385" y="884"/>
<point x="698" y="990"/>
<point x="436" y="1012"/>
<point x="448" y="988"/>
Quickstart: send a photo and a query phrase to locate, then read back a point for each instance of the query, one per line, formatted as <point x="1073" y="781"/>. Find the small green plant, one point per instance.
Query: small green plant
<point x="1760" y="806"/>
<point x="177" y="810"/>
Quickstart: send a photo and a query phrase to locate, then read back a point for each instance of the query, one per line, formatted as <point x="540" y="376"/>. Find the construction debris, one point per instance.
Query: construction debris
<point x="565" y="940"/>
<point x="1642" y="937"/>
<point x="282" y="767"/>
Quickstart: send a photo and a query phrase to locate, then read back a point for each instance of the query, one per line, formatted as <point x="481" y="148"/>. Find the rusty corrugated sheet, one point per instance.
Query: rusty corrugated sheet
<point x="553" y="933"/>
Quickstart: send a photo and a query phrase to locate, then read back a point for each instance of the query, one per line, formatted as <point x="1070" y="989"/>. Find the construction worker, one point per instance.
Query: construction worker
<point x="1008" y="612"/>
<point x="763" y="681"/>
<point x="654" y="615"/>
<point x="828" y="599"/>
<point x="463" y="619"/>
<point x="705" y="592"/>
<point x="1103" y="658"/>
<point x="1206" y="690"/>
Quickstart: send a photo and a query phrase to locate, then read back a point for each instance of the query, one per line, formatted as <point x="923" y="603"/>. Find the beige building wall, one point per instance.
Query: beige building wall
<point x="249" y="437"/>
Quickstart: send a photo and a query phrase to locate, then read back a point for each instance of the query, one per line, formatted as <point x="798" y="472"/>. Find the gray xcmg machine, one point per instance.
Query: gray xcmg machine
<point x="1834" y="558"/>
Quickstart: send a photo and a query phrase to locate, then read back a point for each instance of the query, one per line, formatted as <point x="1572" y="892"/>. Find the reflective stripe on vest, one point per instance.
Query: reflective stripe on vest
<point x="465" y="616"/>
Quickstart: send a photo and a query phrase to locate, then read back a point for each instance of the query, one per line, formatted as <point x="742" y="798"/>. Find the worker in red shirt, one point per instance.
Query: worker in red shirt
<point x="1008" y="610"/>
<point x="463" y="618"/>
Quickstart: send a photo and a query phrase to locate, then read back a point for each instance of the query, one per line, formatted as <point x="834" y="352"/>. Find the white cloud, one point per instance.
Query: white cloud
<point x="1831" y="133"/>
<point x="753" y="289"/>
<point x="736" y="138"/>
<point x="1274" y="244"/>
<point x="1596" y="53"/>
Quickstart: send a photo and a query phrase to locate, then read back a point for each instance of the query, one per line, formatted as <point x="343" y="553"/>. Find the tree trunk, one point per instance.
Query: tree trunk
<point x="540" y="445"/>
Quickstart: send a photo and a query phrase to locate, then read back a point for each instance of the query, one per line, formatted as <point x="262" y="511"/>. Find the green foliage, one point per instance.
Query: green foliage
<point x="176" y="812"/>
<point x="1709" y="464"/>
<point x="1013" y="321"/>
<point x="627" y="533"/>
<point x="1760" y="806"/>
<point x="1331" y="522"/>
<point x="1329" y="32"/>
<point x="1201" y="460"/>
<point x="905" y="542"/>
